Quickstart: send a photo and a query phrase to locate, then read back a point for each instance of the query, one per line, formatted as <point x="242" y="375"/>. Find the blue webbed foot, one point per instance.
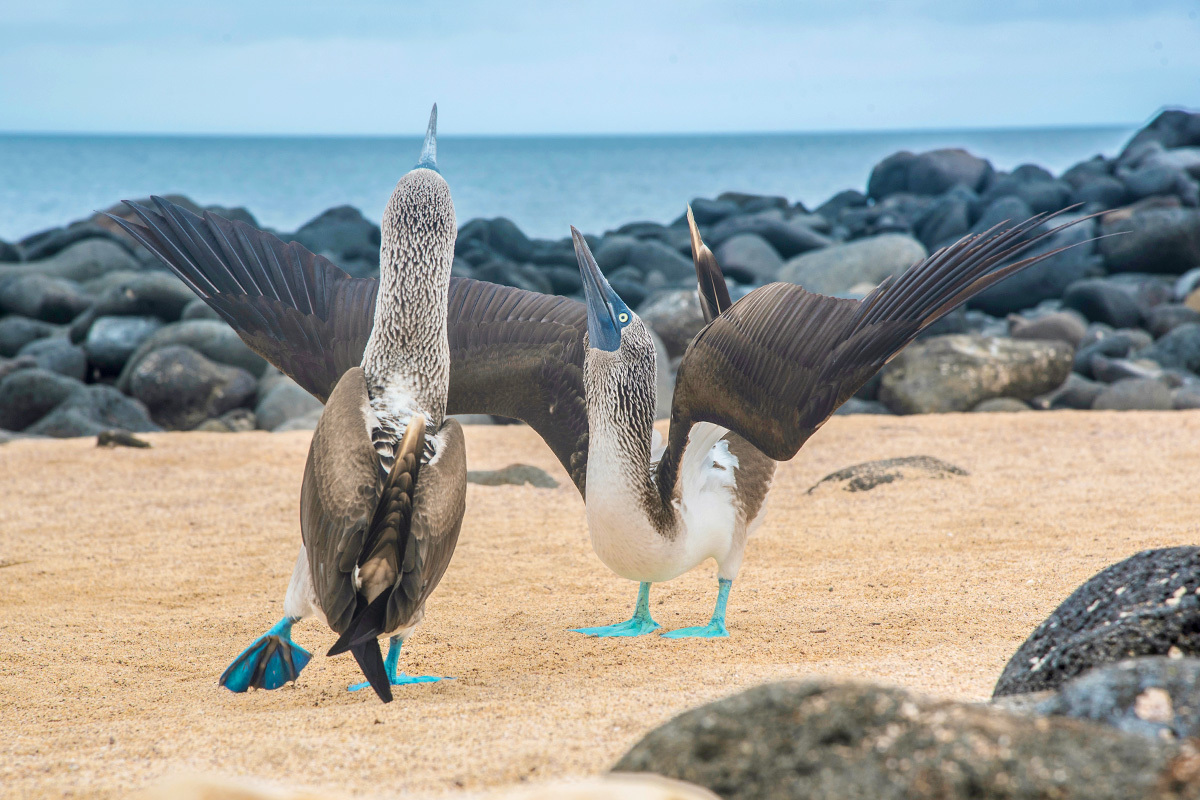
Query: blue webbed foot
<point x="270" y="662"/>
<point x="712" y="630"/>
<point x="715" y="629"/>
<point x="639" y="625"/>
<point x="397" y="678"/>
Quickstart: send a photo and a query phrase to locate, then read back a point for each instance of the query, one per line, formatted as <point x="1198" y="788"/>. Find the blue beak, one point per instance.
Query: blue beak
<point x="603" y="331"/>
<point x="428" y="158"/>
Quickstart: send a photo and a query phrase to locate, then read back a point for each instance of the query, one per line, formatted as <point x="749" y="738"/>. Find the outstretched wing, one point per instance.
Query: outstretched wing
<point x="294" y="308"/>
<point x="781" y="360"/>
<point x="513" y="353"/>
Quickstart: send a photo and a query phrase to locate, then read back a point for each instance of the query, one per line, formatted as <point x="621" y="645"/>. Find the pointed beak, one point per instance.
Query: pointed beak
<point x="428" y="158"/>
<point x="603" y="331"/>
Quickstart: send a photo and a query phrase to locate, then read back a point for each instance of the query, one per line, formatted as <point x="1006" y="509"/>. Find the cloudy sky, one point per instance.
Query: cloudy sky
<point x="620" y="66"/>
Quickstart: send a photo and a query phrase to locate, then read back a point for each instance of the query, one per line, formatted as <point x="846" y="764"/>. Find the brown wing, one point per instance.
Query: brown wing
<point x="339" y="497"/>
<point x="295" y="309"/>
<point x="520" y="354"/>
<point x="781" y="360"/>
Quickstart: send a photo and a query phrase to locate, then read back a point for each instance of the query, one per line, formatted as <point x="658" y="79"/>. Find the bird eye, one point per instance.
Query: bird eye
<point x="623" y="317"/>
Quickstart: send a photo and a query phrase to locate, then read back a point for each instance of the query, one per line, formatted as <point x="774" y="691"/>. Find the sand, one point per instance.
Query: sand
<point x="129" y="579"/>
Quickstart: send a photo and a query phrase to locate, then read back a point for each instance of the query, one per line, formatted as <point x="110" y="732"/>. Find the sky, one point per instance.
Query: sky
<point x="563" y="67"/>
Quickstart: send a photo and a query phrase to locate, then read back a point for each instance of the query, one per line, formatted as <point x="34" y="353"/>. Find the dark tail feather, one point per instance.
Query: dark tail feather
<point x="370" y="661"/>
<point x="710" y="282"/>
<point x="367" y="624"/>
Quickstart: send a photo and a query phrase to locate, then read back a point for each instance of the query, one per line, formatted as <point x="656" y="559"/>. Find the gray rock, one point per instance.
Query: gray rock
<point x="1159" y="179"/>
<point x="1104" y="341"/>
<point x="181" y="388"/>
<point x="513" y="475"/>
<point x="837" y="269"/>
<point x="16" y="332"/>
<point x="821" y="740"/>
<point x="58" y="355"/>
<point x="1004" y="211"/>
<point x="1040" y="192"/>
<point x="344" y="235"/>
<point x="239" y="420"/>
<point x="307" y="422"/>
<point x="1134" y="394"/>
<point x="747" y="258"/>
<point x="9" y="254"/>
<point x="939" y="170"/>
<point x="675" y="316"/>
<point x="51" y="242"/>
<point x="1185" y="398"/>
<point x="1155" y="697"/>
<point x="285" y="400"/>
<point x="1001" y="405"/>
<point x="149" y="294"/>
<point x="616" y="251"/>
<point x="786" y="238"/>
<point x="857" y="405"/>
<point x="28" y="395"/>
<point x="710" y="212"/>
<point x="112" y="340"/>
<point x="42" y="297"/>
<point x="1171" y="128"/>
<point x="1111" y="370"/>
<point x="1143" y="606"/>
<point x="956" y="373"/>
<point x="890" y="175"/>
<point x="1060" y="326"/>
<point x="213" y="340"/>
<point x="198" y="309"/>
<point x="1154" y="239"/>
<point x="1165" y="318"/>
<point x="1178" y="349"/>
<point x="91" y="411"/>
<point x="1076" y="392"/>
<point x="80" y="262"/>
<point x="1103" y="191"/>
<point x="1047" y="279"/>
<point x="948" y="219"/>
<point x="1103" y="301"/>
<point x="832" y="208"/>
<point x="11" y="365"/>
<point x="870" y="474"/>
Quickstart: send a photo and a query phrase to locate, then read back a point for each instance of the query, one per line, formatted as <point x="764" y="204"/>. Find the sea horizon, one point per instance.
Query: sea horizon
<point x="543" y="182"/>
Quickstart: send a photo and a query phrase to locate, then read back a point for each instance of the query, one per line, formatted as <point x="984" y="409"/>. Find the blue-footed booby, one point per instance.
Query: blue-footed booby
<point x="769" y="370"/>
<point x="384" y="485"/>
<point x="757" y="381"/>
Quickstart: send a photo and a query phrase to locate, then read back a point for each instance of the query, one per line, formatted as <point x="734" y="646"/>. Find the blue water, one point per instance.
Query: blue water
<point x="544" y="184"/>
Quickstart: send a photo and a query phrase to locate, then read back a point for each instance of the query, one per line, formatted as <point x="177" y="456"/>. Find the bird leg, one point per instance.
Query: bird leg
<point x="716" y="626"/>
<point x="272" y="660"/>
<point x="639" y="624"/>
<point x="398" y="678"/>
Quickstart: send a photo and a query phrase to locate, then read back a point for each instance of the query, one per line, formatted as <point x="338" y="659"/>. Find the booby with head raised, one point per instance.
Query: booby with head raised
<point x="384" y="485"/>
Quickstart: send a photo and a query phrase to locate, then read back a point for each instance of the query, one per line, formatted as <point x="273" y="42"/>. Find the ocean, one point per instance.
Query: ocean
<point x="544" y="184"/>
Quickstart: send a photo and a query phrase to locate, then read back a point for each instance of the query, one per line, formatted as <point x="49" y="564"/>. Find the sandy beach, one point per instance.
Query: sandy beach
<point x="131" y="577"/>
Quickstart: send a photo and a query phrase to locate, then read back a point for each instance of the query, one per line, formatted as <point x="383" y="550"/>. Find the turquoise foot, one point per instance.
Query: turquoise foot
<point x="401" y="680"/>
<point x="713" y="630"/>
<point x="270" y="662"/>
<point x="638" y="626"/>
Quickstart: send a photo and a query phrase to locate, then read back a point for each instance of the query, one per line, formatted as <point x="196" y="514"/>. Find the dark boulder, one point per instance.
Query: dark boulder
<point x="821" y="740"/>
<point x="890" y="175"/>
<point x="1155" y="240"/>
<point x="948" y="219"/>
<point x="748" y="258"/>
<point x="112" y="340"/>
<point x="1076" y="392"/>
<point x="1167" y="317"/>
<point x="1145" y="605"/>
<point x="58" y="355"/>
<point x="149" y="294"/>
<point x="938" y="170"/>
<point x="1134" y="394"/>
<point x="787" y="238"/>
<point x="82" y="261"/>
<point x="710" y="212"/>
<point x="753" y="203"/>
<point x="42" y="297"/>
<point x="198" y="309"/>
<point x="1103" y="301"/>
<point x="181" y="388"/>
<point x="1061" y="326"/>
<point x="1100" y="192"/>
<point x="9" y="254"/>
<point x="51" y="242"/>
<point x="91" y="411"/>
<point x="1178" y="349"/>
<point x="214" y="340"/>
<point x="647" y="256"/>
<point x="283" y="401"/>
<point x="1171" y="128"/>
<point x="832" y="208"/>
<point x="675" y="316"/>
<point x="837" y="269"/>
<point x="27" y="395"/>
<point x="1155" y="697"/>
<point x="345" y="236"/>
<point x="1110" y="344"/>
<point x="16" y="332"/>
<point x="1152" y="180"/>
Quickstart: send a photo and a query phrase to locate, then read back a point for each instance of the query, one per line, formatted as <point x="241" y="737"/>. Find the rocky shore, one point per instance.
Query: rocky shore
<point x="94" y="335"/>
